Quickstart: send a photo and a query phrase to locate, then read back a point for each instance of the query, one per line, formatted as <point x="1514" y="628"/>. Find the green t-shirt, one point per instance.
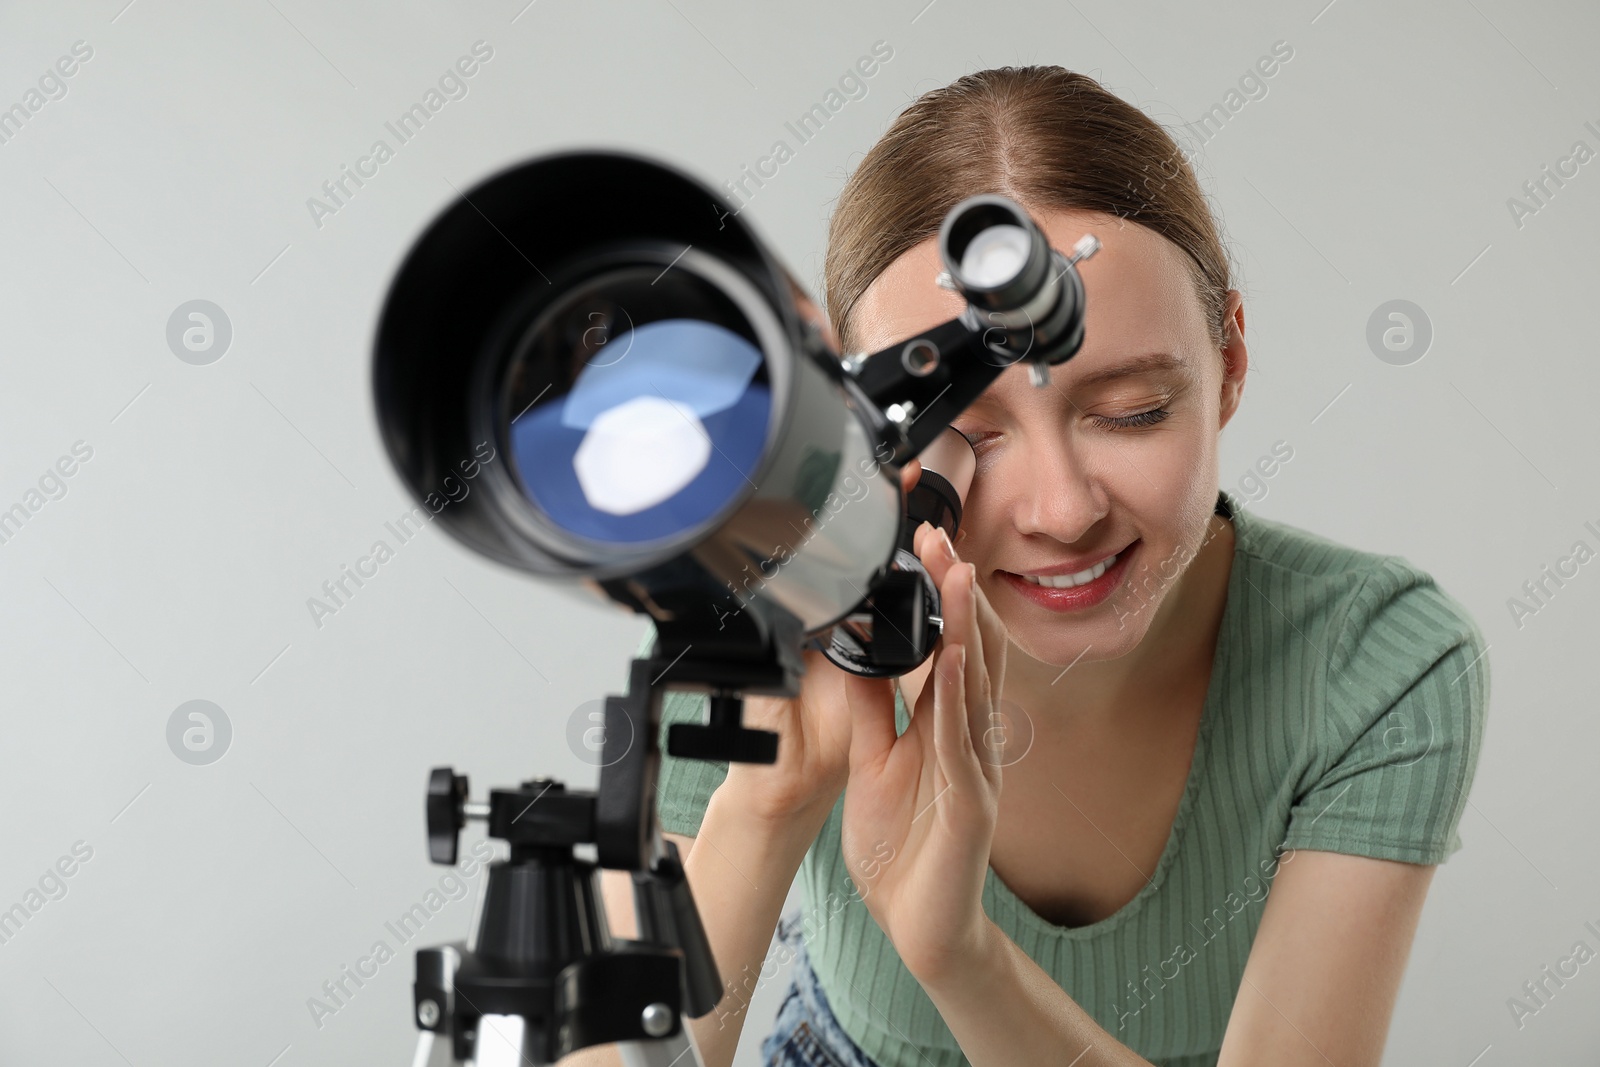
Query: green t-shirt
<point x="1345" y="712"/>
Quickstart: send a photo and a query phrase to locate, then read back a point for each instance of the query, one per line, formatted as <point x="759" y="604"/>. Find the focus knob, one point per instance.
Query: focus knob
<point x="447" y="797"/>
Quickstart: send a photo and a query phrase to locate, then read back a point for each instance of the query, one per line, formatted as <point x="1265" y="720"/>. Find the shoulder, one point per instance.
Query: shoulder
<point x="1409" y="680"/>
<point x="1394" y="626"/>
<point x="1380" y="621"/>
<point x="1395" y="660"/>
<point x="1375" y="619"/>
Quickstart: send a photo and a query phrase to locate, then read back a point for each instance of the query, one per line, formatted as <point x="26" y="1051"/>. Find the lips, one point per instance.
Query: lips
<point x="1076" y="597"/>
<point x="1060" y="579"/>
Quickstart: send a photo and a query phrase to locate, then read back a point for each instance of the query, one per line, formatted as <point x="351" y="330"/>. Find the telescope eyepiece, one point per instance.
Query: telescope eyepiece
<point x="1025" y="297"/>
<point x="995" y="254"/>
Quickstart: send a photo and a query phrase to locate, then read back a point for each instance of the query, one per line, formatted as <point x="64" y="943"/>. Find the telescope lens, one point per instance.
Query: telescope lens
<point x="638" y="406"/>
<point x="995" y="256"/>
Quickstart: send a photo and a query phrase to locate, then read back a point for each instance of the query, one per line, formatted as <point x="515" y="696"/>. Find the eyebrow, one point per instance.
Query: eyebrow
<point x="1147" y="363"/>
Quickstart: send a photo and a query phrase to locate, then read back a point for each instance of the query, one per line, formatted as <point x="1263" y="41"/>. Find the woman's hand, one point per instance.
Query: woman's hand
<point x="813" y="734"/>
<point x="920" y="809"/>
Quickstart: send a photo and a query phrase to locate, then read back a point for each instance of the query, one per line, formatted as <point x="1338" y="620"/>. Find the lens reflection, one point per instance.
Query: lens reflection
<point x="639" y="427"/>
<point x="995" y="256"/>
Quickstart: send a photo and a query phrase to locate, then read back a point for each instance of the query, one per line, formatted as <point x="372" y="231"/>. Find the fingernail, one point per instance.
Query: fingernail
<point x="972" y="578"/>
<point x="944" y="540"/>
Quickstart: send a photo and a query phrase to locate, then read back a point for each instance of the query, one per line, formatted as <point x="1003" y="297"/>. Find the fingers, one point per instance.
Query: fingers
<point x="909" y="474"/>
<point x="959" y="604"/>
<point x="960" y="744"/>
<point x="951" y="739"/>
<point x="939" y="558"/>
<point x="971" y="623"/>
<point x="994" y="642"/>
<point x="968" y="619"/>
<point x="989" y="641"/>
<point x="935" y="551"/>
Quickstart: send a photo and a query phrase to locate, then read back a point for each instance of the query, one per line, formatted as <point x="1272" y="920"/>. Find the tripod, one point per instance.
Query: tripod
<point x="543" y="971"/>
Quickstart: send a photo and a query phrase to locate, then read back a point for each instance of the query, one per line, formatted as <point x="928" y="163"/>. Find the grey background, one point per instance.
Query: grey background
<point x="219" y="497"/>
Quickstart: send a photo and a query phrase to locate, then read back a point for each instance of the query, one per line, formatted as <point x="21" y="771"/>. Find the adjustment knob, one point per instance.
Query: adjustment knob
<point x="447" y="798"/>
<point x="900" y="610"/>
<point x="722" y="737"/>
<point x="725" y="744"/>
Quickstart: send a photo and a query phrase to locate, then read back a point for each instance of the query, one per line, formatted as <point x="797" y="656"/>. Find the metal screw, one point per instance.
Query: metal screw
<point x="428" y="1014"/>
<point x="656" y="1019"/>
<point x="900" y="413"/>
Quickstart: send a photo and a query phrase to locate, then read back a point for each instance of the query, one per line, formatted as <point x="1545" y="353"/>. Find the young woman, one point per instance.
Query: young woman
<point x="1233" y="751"/>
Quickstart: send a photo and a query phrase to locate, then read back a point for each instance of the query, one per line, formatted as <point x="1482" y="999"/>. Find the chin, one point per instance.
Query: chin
<point x="1085" y="644"/>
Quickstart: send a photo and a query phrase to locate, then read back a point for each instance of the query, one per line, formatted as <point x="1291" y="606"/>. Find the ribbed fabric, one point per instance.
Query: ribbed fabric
<point x="1345" y="711"/>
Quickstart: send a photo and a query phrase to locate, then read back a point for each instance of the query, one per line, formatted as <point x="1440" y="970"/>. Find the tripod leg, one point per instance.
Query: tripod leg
<point x="431" y="1053"/>
<point x="666" y="1052"/>
<point x="501" y="1042"/>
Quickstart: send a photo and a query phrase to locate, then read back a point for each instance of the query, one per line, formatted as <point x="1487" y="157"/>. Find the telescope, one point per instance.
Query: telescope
<point x="656" y="419"/>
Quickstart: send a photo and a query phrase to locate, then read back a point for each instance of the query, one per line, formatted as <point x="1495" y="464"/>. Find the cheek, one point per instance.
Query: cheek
<point x="1156" y="482"/>
<point x="1165" y="473"/>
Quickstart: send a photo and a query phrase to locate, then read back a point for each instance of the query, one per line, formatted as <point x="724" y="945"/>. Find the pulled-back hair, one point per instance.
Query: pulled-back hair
<point x="1046" y="137"/>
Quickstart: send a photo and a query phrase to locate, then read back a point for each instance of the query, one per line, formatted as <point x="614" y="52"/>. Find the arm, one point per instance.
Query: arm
<point x="1004" y="1009"/>
<point x="1319" y="987"/>
<point x="739" y="868"/>
<point x="1326" y="963"/>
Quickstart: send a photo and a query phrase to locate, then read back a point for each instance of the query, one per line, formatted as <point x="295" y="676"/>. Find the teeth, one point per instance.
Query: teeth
<point x="1067" y="581"/>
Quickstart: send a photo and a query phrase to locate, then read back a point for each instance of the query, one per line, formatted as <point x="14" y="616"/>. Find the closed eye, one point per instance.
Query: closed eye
<point x="1128" y="422"/>
<point x="1121" y="422"/>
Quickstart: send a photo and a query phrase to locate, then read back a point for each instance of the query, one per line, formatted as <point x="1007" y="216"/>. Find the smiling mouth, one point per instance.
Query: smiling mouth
<point x="1071" y="581"/>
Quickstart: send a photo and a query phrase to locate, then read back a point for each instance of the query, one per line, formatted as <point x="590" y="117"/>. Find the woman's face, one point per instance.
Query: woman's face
<point x="1117" y="456"/>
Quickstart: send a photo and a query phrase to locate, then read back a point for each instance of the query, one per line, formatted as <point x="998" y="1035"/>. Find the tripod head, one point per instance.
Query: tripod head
<point x="543" y="952"/>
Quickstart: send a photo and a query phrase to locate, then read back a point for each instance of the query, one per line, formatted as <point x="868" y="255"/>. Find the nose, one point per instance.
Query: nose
<point x="1059" y="496"/>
